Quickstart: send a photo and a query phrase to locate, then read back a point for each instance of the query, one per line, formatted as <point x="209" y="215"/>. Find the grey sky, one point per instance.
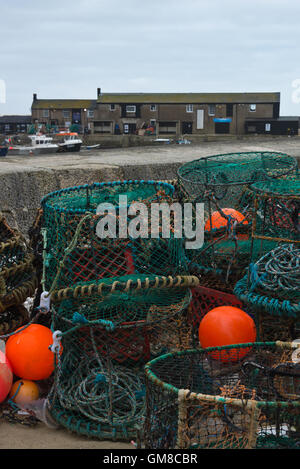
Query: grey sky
<point x="67" y="49"/>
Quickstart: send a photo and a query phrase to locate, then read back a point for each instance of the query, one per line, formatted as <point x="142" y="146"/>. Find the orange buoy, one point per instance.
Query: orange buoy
<point x="24" y="391"/>
<point x="227" y="325"/>
<point x="28" y="353"/>
<point x="218" y="221"/>
<point x="6" y="377"/>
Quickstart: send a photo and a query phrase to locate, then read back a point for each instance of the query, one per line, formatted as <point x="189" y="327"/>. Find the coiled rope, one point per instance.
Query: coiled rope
<point x="278" y="272"/>
<point x="99" y="391"/>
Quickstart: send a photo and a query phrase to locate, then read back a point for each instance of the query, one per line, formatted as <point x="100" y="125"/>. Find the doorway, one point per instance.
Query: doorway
<point x="187" y="127"/>
<point x="129" y="128"/>
<point x="222" y="127"/>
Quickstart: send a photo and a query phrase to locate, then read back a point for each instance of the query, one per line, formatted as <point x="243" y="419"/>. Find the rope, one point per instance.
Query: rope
<point x="106" y="394"/>
<point x="278" y="272"/>
<point x="68" y="250"/>
<point x="105" y="288"/>
<point x="40" y="311"/>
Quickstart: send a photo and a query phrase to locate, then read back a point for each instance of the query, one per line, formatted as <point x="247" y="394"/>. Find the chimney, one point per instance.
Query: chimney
<point x="34" y="97"/>
<point x="98" y="92"/>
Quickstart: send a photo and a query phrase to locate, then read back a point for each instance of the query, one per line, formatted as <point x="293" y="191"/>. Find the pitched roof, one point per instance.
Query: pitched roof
<point x="188" y="98"/>
<point x="64" y="103"/>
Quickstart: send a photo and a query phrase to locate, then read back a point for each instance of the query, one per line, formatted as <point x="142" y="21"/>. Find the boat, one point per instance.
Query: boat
<point x="68" y="141"/>
<point x="183" y="141"/>
<point x="3" y="150"/>
<point x="92" y="147"/>
<point x="163" y="140"/>
<point x="39" y="145"/>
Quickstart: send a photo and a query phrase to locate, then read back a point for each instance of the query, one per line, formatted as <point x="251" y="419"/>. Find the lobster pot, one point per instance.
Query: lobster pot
<point x="143" y="316"/>
<point x="276" y="213"/>
<point x="271" y="284"/>
<point x="95" y="232"/>
<point x="18" y="279"/>
<point x="270" y="290"/>
<point x="244" y="396"/>
<point x="93" y="395"/>
<point x="107" y="337"/>
<point x="226" y="176"/>
<point x="221" y="183"/>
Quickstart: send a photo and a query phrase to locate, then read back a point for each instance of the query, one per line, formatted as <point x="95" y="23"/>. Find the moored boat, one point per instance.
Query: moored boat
<point x="40" y="145"/>
<point x="3" y="150"/>
<point x="68" y="142"/>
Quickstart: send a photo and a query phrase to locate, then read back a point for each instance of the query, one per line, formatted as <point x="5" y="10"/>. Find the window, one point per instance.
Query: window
<point x="104" y="127"/>
<point x="229" y="110"/>
<point x="46" y="113"/>
<point x="167" y="127"/>
<point x="152" y="122"/>
<point x="252" y="107"/>
<point x="112" y="107"/>
<point x="130" y="108"/>
<point x="66" y="114"/>
<point x="90" y="113"/>
<point x="211" y="109"/>
<point x="153" y="107"/>
<point x="189" y="108"/>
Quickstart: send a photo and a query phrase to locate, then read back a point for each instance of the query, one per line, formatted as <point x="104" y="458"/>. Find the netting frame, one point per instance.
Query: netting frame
<point x="18" y="276"/>
<point x="64" y="417"/>
<point x="213" y="186"/>
<point x="183" y="396"/>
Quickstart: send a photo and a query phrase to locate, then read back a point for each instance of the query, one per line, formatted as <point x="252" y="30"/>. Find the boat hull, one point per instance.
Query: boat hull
<point x="69" y="147"/>
<point x="3" y="151"/>
<point x="31" y="151"/>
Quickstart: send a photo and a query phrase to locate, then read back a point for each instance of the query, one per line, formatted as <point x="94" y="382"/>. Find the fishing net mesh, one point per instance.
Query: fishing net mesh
<point x="18" y="279"/>
<point x="75" y="253"/>
<point x="229" y="187"/>
<point x="117" y="301"/>
<point x="276" y="210"/>
<point x="99" y="385"/>
<point x="234" y="397"/>
<point x="227" y="175"/>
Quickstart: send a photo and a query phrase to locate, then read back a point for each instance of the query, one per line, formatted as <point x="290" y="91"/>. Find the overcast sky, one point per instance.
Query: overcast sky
<point x="67" y="49"/>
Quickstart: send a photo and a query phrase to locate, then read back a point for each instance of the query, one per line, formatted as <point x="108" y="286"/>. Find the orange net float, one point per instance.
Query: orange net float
<point x="24" y="391"/>
<point x="217" y="221"/>
<point x="29" y="354"/>
<point x="227" y="325"/>
<point x="6" y="377"/>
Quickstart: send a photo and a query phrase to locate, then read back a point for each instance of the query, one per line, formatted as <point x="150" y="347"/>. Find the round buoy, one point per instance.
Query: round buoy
<point x="227" y="325"/>
<point x="217" y="221"/>
<point x="6" y="377"/>
<point x="24" y="391"/>
<point x="28" y="353"/>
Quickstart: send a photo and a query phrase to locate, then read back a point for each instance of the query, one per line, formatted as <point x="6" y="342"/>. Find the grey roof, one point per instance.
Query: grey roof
<point x="188" y="98"/>
<point x="15" y="119"/>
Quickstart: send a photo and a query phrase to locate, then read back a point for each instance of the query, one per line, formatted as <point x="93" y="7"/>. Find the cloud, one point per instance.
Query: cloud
<point x="68" y="49"/>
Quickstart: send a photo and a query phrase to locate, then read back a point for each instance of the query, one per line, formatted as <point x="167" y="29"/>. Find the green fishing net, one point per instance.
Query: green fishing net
<point x="232" y="397"/>
<point x="75" y="253"/>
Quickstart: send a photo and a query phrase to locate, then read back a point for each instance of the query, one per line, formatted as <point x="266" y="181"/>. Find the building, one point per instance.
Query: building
<point x="167" y="113"/>
<point x="183" y="113"/>
<point x="15" y="124"/>
<point x="285" y="125"/>
<point x="63" y="113"/>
